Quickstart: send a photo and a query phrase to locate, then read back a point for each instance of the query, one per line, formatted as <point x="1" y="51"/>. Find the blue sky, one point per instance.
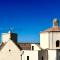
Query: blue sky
<point x="28" y="17"/>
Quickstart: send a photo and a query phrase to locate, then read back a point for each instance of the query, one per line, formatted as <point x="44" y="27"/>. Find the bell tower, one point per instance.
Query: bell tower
<point x="55" y="23"/>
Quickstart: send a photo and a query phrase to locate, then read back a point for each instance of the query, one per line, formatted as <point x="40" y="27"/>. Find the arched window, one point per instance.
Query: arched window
<point x="27" y="57"/>
<point x="57" y="43"/>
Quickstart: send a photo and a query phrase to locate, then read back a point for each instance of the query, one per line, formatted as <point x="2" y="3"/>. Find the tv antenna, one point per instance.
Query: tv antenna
<point x="11" y="29"/>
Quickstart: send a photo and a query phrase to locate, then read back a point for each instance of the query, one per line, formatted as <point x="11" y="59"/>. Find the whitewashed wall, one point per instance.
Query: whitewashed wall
<point x="52" y="55"/>
<point x="33" y="55"/>
<point x="44" y="40"/>
<point x="5" y="37"/>
<point x="53" y="37"/>
<point x="10" y="56"/>
<point x="56" y="36"/>
<point x="13" y="54"/>
<point x="48" y="40"/>
<point x="51" y="40"/>
<point x="36" y="47"/>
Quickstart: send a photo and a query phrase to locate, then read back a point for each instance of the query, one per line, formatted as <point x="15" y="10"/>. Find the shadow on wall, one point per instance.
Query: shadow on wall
<point x="14" y="37"/>
<point x="58" y="54"/>
<point x="43" y="55"/>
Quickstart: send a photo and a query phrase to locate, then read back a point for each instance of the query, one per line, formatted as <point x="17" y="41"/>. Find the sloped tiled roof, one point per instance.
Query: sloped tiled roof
<point x="25" y="46"/>
<point x="21" y="46"/>
<point x="3" y="44"/>
<point x="53" y="29"/>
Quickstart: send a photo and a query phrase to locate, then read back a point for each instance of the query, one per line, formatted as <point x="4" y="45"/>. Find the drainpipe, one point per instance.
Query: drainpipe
<point x="22" y="54"/>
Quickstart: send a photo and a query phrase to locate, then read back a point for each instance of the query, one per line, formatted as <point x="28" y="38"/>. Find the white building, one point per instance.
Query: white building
<point x="47" y="49"/>
<point x="9" y="49"/>
<point x="30" y="55"/>
<point x="12" y="50"/>
<point x="50" y="42"/>
<point x="35" y="47"/>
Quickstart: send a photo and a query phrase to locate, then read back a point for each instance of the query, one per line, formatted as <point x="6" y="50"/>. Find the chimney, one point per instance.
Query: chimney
<point x="8" y="36"/>
<point x="55" y="23"/>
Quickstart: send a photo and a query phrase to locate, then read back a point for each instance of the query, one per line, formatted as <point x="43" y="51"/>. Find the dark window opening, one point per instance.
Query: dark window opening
<point x="27" y="57"/>
<point x="9" y="50"/>
<point x="57" y="43"/>
<point x="32" y="47"/>
<point x="42" y="57"/>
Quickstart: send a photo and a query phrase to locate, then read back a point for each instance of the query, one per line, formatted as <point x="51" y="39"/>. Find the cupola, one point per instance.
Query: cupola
<point x="55" y="22"/>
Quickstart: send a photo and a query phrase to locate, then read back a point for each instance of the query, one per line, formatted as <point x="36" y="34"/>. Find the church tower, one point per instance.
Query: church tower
<point x="50" y="38"/>
<point x="9" y="36"/>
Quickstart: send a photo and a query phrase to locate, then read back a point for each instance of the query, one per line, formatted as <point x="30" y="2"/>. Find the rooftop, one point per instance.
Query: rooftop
<point x="54" y="28"/>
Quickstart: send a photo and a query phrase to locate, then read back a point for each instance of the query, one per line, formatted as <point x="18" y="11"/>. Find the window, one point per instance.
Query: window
<point x="42" y="57"/>
<point x="57" y="43"/>
<point x="32" y="47"/>
<point x="9" y="50"/>
<point x="27" y="57"/>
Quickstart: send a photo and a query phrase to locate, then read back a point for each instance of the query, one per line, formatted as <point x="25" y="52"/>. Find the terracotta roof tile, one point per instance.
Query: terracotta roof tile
<point x="21" y="46"/>
<point x="25" y="46"/>
<point x="54" y="29"/>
